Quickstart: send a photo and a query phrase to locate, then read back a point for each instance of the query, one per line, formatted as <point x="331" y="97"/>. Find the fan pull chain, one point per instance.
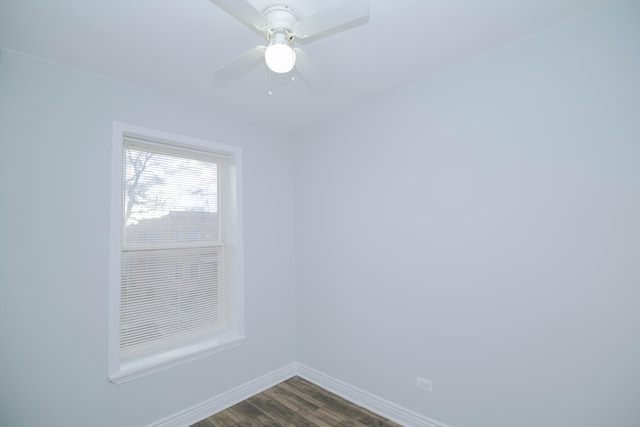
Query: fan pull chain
<point x="270" y="92"/>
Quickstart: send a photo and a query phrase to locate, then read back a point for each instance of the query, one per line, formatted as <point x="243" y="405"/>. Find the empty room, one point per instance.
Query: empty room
<point x="420" y="212"/>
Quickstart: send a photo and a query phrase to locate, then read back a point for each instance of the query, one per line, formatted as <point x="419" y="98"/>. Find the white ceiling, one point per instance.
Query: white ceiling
<point x="173" y="46"/>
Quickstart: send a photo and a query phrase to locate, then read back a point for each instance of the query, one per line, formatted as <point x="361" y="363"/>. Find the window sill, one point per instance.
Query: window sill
<point x="140" y="367"/>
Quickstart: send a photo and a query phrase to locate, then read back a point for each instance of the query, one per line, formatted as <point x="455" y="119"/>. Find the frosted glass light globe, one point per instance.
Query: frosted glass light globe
<point x="280" y="58"/>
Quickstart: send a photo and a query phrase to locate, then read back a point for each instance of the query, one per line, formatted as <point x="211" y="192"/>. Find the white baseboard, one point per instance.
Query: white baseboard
<point x="225" y="400"/>
<point x="375" y="404"/>
<point x="353" y="394"/>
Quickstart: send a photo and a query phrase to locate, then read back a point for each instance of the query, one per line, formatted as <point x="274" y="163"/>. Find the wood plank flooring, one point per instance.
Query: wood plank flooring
<point x="295" y="403"/>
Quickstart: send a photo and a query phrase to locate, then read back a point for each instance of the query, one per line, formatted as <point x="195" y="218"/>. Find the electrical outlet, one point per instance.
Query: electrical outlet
<point x="424" y="384"/>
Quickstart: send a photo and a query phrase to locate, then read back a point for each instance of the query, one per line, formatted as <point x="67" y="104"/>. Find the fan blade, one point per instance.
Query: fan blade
<point x="239" y="66"/>
<point x="244" y="12"/>
<point x="309" y="72"/>
<point x="336" y="15"/>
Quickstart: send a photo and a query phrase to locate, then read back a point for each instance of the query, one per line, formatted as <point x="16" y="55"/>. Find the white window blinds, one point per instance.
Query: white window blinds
<point x="173" y="263"/>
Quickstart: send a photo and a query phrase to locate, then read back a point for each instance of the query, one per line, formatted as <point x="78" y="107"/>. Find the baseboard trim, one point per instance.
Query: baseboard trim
<point x="376" y="404"/>
<point x="225" y="400"/>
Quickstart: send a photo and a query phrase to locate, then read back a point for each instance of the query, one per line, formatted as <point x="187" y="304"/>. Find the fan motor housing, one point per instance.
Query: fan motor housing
<point x="281" y="20"/>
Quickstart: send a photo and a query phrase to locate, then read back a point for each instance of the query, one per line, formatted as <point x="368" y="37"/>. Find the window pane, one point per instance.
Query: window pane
<point x="169" y="200"/>
<point x="170" y="297"/>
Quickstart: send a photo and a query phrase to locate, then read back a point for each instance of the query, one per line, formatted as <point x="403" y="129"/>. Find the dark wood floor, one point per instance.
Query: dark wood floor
<point x="294" y="403"/>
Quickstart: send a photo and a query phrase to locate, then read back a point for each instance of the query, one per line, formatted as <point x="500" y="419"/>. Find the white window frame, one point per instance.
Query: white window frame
<point x="121" y="371"/>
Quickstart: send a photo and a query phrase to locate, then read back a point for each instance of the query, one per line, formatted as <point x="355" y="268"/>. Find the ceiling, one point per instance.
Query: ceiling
<point x="174" y="46"/>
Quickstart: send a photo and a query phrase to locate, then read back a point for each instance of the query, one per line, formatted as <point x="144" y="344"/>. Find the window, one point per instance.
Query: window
<point x="176" y="258"/>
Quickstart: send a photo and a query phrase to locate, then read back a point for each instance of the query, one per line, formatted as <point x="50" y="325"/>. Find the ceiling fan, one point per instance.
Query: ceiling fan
<point x="280" y="26"/>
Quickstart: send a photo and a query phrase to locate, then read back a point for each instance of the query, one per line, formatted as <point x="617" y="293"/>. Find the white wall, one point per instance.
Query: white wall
<point x="55" y="166"/>
<point x="482" y="229"/>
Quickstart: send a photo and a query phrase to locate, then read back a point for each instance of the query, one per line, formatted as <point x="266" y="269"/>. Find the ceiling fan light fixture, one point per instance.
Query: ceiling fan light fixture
<point x="281" y="26"/>
<point x="279" y="56"/>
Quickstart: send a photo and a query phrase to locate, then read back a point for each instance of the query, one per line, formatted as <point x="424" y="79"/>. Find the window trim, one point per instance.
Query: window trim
<point x="118" y="371"/>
